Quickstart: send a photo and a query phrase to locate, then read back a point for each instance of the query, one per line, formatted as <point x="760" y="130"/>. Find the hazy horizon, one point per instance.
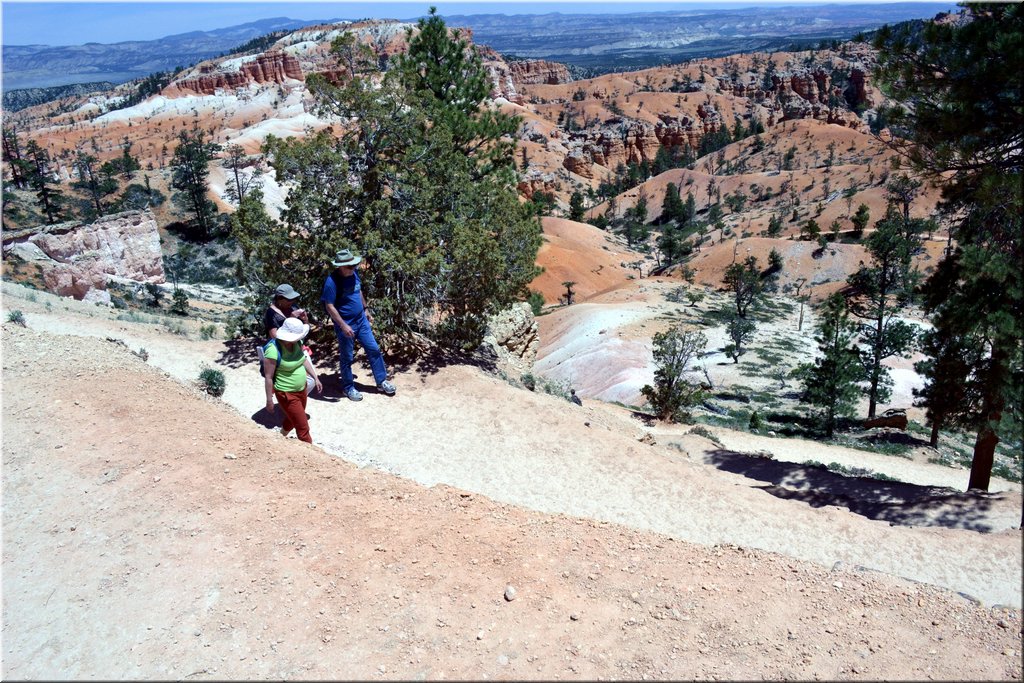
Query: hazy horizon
<point x="77" y="23"/>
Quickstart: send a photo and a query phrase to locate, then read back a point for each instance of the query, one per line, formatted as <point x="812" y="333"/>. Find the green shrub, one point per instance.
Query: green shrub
<point x="212" y="381"/>
<point x="536" y="301"/>
<point x="179" y="302"/>
<point x="755" y="422"/>
<point x="208" y="332"/>
<point x="16" y="317"/>
<point x="529" y="381"/>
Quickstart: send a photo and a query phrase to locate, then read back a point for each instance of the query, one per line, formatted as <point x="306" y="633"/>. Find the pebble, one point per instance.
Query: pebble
<point x="574" y="616"/>
<point x="502" y="660"/>
<point x="510" y="593"/>
<point x="480" y="634"/>
<point x="230" y="456"/>
<point x="1002" y="624"/>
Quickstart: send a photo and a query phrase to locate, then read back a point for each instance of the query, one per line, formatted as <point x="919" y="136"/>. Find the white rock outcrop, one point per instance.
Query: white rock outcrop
<point x="513" y="338"/>
<point x="78" y="259"/>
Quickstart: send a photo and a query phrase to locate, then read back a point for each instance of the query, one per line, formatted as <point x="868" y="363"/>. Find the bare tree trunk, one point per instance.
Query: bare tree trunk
<point x="992" y="413"/>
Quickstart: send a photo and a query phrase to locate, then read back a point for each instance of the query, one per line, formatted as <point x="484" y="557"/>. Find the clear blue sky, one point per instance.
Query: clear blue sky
<point x="27" y="22"/>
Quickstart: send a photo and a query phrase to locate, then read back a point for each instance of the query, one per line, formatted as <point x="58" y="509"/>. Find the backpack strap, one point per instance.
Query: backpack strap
<point x="263" y="354"/>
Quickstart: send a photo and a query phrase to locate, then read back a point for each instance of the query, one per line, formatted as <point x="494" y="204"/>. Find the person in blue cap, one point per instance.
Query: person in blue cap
<point x="344" y="302"/>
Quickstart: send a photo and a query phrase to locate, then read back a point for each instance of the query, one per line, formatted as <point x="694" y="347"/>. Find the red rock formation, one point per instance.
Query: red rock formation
<point x="270" y="67"/>
<point x="630" y="141"/>
<point x="536" y="71"/>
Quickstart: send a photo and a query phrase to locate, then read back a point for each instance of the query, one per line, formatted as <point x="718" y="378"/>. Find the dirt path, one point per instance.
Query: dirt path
<point x="151" y="531"/>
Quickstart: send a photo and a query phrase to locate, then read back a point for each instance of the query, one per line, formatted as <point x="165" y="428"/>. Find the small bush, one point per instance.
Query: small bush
<point x="16" y="317"/>
<point x="179" y="302"/>
<point x="755" y="422"/>
<point x="212" y="381"/>
<point x="208" y="331"/>
<point x="536" y="301"/>
<point x="529" y="381"/>
<point x="175" y="327"/>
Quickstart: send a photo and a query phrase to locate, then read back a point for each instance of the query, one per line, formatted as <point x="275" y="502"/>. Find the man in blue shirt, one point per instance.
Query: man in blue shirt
<point x="344" y="302"/>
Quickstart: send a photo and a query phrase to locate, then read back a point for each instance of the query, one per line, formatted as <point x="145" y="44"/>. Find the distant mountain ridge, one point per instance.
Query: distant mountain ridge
<point x="636" y="40"/>
<point x="16" y="100"/>
<point x="44" y="66"/>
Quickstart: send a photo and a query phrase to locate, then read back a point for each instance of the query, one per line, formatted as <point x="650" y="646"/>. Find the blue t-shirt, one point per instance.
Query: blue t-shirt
<point x="346" y="295"/>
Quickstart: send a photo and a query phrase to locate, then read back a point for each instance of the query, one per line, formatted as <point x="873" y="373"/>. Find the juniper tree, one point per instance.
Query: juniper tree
<point x="672" y="393"/>
<point x="963" y="125"/>
<point x="740" y="331"/>
<point x="422" y="182"/>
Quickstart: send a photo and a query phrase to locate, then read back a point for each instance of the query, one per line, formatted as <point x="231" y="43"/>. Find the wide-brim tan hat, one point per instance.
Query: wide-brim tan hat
<point x="346" y="258"/>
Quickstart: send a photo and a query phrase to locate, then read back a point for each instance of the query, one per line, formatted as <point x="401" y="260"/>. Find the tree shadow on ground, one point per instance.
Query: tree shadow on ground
<point x="898" y="503"/>
<point x="240" y="352"/>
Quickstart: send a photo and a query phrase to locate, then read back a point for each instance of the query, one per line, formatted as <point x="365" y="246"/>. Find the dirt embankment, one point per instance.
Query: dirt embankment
<point x="152" y="532"/>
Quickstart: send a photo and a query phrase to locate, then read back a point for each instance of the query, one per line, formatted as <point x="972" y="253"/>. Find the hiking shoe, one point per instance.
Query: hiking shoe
<point x="387" y="387"/>
<point x="353" y="395"/>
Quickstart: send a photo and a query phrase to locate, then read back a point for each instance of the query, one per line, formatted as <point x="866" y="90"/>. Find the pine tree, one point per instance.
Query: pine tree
<point x="41" y="180"/>
<point x="963" y="83"/>
<point x="21" y="168"/>
<point x="576" y="208"/>
<point x="191" y="170"/>
<point x="235" y="161"/>
<point x="878" y="292"/>
<point x="951" y="395"/>
<point x="744" y="281"/>
<point x="672" y="205"/>
<point x="128" y="163"/>
<point x="88" y="178"/>
<point x="830" y="383"/>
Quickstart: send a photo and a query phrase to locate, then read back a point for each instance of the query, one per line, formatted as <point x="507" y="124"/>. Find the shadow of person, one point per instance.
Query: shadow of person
<point x="331" y="393"/>
<point x="268" y="420"/>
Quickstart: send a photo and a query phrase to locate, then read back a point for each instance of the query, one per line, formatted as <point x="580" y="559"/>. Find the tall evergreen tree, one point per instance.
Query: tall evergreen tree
<point x="878" y="292"/>
<point x="830" y="382"/>
<point x="41" y="180"/>
<point x="951" y="391"/>
<point x="191" y="162"/>
<point x="20" y="168"/>
<point x="672" y="205"/>
<point x="576" y="208"/>
<point x="964" y="125"/>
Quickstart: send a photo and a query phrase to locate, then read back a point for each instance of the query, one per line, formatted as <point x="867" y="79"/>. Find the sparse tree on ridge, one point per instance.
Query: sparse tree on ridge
<point x="236" y="161"/>
<point x="744" y="281"/>
<point x="40" y="180"/>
